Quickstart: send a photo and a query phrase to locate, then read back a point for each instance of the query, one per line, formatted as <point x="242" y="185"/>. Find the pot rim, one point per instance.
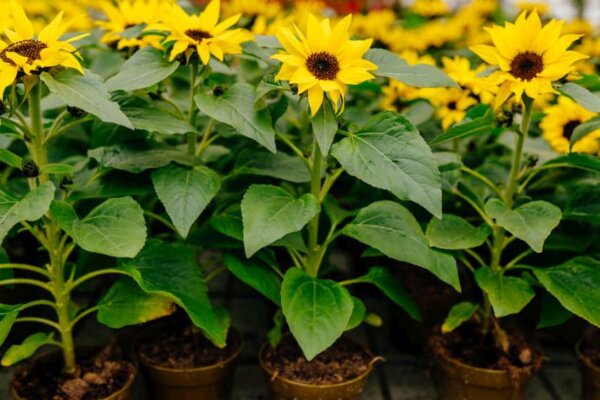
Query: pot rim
<point x="583" y="358"/>
<point x="203" y="368"/>
<point x="359" y="378"/>
<point x="35" y="360"/>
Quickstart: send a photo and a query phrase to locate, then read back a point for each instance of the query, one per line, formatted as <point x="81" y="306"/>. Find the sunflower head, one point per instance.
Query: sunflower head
<point x="529" y="56"/>
<point x="203" y="33"/>
<point x="323" y="60"/>
<point x="451" y="104"/>
<point x="26" y="52"/>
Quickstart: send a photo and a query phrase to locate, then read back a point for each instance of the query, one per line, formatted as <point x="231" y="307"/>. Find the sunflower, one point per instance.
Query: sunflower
<point x="202" y="33"/>
<point x="128" y="14"/>
<point x="560" y="122"/>
<point x="324" y="60"/>
<point x="25" y="52"/>
<point x="529" y="56"/>
<point x="451" y="104"/>
<point x="539" y="6"/>
<point x="430" y="8"/>
<point x="459" y="69"/>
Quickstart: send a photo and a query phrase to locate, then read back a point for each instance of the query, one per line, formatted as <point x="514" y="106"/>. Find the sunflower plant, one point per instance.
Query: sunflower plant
<point x="287" y="222"/>
<point x="515" y="200"/>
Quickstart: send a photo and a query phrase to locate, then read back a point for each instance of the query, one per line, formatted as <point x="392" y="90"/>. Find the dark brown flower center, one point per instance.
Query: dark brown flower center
<point x="198" y="35"/>
<point x="526" y="65"/>
<point x="31" y="49"/>
<point x="569" y="128"/>
<point x="452" y="105"/>
<point x="323" y="65"/>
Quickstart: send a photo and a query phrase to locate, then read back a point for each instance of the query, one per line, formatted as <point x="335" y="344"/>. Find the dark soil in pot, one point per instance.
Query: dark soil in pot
<point x="339" y="373"/>
<point x="99" y="376"/>
<point x="470" y="366"/>
<point x="588" y="353"/>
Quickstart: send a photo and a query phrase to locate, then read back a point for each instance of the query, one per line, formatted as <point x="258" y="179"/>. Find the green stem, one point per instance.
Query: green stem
<point x="39" y="154"/>
<point x="91" y="275"/>
<point x="191" y="136"/>
<point x="206" y="138"/>
<point x="30" y="282"/>
<point x="160" y="219"/>
<point x="313" y="228"/>
<point x="482" y="178"/>
<point x="83" y="314"/>
<point x="41" y="321"/>
<point x="25" y="267"/>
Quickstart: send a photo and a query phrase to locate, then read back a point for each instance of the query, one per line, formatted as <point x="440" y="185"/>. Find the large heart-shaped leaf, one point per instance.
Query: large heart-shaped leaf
<point x="171" y="270"/>
<point x="532" y="222"/>
<point x="87" y="92"/>
<point x="508" y="294"/>
<point x="126" y="304"/>
<point x="236" y="108"/>
<point x="389" y="153"/>
<point x="31" y="207"/>
<point x="455" y="233"/>
<point x="316" y="310"/>
<point x="115" y="228"/>
<point x="147" y="67"/>
<point x="264" y="280"/>
<point x="185" y="193"/>
<point x="393" y="230"/>
<point x="20" y="352"/>
<point x="576" y="285"/>
<point x="269" y="213"/>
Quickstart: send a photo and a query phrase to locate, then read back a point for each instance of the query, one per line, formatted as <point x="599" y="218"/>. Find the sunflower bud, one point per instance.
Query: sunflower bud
<point x="30" y="169"/>
<point x="75" y="112"/>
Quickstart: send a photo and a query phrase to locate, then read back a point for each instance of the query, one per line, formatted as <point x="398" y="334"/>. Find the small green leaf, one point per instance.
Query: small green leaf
<point x="278" y="165"/>
<point x="269" y="213"/>
<point x="9" y="158"/>
<point x="236" y="108"/>
<point x="508" y="294"/>
<point x="256" y="276"/>
<point x="455" y="233"/>
<point x="135" y="160"/>
<point x="532" y="222"/>
<point x="459" y="314"/>
<point x="480" y="119"/>
<point x="576" y="285"/>
<point x="359" y="313"/>
<point x="126" y="304"/>
<point x="581" y="95"/>
<point x="8" y="316"/>
<point x="586" y="162"/>
<point x="147" y="67"/>
<point x="584" y="204"/>
<point x="64" y="214"/>
<point x="87" y="92"/>
<point x="58" y="169"/>
<point x="30" y="345"/>
<point x="325" y="126"/>
<point x="156" y="121"/>
<point x="185" y="193"/>
<point x="316" y="310"/>
<point x="420" y="75"/>
<point x="582" y="130"/>
<point x="274" y="335"/>
<point x="392" y="229"/>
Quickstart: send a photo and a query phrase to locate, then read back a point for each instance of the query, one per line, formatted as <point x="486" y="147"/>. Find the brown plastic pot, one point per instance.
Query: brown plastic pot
<point x="590" y="375"/>
<point x="123" y="394"/>
<point x="459" y="381"/>
<point x="287" y="389"/>
<point x="203" y="383"/>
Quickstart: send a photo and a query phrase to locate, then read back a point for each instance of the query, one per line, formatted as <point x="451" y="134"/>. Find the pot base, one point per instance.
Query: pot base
<point x="590" y="375"/>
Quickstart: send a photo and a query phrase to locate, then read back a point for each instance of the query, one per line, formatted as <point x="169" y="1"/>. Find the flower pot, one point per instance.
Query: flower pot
<point x="286" y="389"/>
<point x="459" y="381"/>
<point x="590" y="375"/>
<point x="211" y="382"/>
<point x="50" y="360"/>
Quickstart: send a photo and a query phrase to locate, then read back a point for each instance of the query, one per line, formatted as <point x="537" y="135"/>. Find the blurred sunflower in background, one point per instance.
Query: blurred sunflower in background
<point x="27" y="52"/>
<point x="202" y="34"/>
<point x="396" y="94"/>
<point x="559" y="124"/>
<point x="323" y="61"/>
<point x="256" y="13"/>
<point x="430" y="8"/>
<point x="529" y="56"/>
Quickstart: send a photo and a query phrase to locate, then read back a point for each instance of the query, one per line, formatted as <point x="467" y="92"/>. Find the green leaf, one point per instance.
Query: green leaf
<point x="389" y="153"/>
<point x="185" y="193"/>
<point x="459" y="314"/>
<point x="269" y="213"/>
<point x="359" y="313"/>
<point x="58" y="169"/>
<point x="420" y="75"/>
<point x="9" y="158"/>
<point x="138" y="160"/>
<point x="30" y="345"/>
<point x="126" y="304"/>
<point x="325" y="126"/>
<point x="584" y="204"/>
<point x="576" y="285"/>
<point x="582" y="161"/>
<point x="115" y="228"/>
<point x="156" y="121"/>
<point x="392" y="229"/>
<point x="274" y="335"/>
<point x="382" y="279"/>
<point x="455" y="233"/>
<point x="581" y="95"/>
<point x="316" y="310"/>
<point x="171" y="270"/>
<point x="278" y="165"/>
<point x="148" y="66"/>
<point x="508" y="294"/>
<point x="262" y="279"/>
<point x="582" y="130"/>
<point x="552" y="313"/>
<point x="532" y="222"/>
<point x="87" y="92"/>
<point x="64" y="214"/>
<point x="236" y="108"/>
<point x="30" y="208"/>
<point x="480" y="119"/>
<point x="8" y="316"/>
